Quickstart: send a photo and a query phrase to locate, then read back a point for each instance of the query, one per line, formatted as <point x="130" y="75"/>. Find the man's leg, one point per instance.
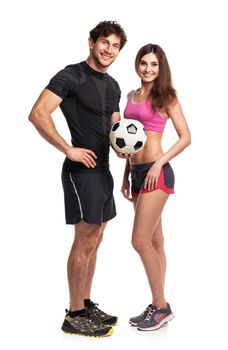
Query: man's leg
<point x="78" y="321"/>
<point x="92" y="263"/>
<point x="84" y="245"/>
<point x="96" y="314"/>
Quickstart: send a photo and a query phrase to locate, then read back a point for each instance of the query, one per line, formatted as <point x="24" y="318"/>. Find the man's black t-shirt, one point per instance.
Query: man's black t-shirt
<point x="89" y="100"/>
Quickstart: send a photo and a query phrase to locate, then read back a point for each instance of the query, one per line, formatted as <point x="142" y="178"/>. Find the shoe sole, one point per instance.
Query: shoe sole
<point x="133" y="324"/>
<point x="111" y="324"/>
<point x="136" y="324"/>
<point x="67" y="331"/>
<point x="162" y="323"/>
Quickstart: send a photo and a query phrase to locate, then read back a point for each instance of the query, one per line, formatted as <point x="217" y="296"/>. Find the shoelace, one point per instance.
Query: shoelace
<point x="89" y="323"/>
<point x="149" y="315"/>
<point x="95" y="308"/>
<point x="146" y="310"/>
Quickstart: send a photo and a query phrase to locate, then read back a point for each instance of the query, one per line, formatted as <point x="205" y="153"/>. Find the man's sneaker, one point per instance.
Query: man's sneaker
<point x="82" y="325"/>
<point x="155" y="319"/>
<point x="100" y="317"/>
<point x="135" y="320"/>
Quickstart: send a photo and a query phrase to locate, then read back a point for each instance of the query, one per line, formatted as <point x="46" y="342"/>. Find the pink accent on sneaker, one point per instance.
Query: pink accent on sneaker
<point x="159" y="317"/>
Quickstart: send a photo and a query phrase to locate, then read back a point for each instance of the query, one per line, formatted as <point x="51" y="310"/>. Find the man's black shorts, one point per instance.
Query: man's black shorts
<point x="88" y="196"/>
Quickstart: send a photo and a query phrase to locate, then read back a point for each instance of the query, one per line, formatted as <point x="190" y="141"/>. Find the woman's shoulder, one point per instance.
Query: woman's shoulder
<point x="173" y="107"/>
<point x="172" y="104"/>
<point x="131" y="93"/>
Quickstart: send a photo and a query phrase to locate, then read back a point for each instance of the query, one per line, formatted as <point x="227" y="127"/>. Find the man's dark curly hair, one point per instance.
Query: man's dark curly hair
<point x="106" y="28"/>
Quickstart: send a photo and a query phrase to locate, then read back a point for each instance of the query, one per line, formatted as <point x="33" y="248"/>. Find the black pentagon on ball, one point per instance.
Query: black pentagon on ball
<point x="131" y="129"/>
<point x="115" y="126"/>
<point x="120" y="142"/>
<point x="138" y="145"/>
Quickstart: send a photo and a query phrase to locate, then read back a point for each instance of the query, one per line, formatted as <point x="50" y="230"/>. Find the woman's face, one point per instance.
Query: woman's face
<point x="148" y="68"/>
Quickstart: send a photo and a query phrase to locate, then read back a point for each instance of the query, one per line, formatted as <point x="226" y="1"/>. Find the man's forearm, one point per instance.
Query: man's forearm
<point x="46" y="128"/>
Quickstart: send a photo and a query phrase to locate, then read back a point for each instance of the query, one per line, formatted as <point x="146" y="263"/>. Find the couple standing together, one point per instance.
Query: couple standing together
<point x="89" y="99"/>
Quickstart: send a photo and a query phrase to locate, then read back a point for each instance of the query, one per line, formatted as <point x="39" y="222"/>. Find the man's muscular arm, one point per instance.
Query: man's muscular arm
<point x="41" y="118"/>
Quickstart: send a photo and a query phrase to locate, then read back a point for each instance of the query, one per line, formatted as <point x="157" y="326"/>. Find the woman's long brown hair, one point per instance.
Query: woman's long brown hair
<point x="162" y="92"/>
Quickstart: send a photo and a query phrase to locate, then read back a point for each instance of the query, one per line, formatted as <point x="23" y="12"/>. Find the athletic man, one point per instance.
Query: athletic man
<point x="89" y="99"/>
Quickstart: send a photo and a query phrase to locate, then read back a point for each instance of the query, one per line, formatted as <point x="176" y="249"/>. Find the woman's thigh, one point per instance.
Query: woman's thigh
<point x="148" y="210"/>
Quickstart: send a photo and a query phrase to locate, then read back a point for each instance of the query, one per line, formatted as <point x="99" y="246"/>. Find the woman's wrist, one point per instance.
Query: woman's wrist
<point x="159" y="162"/>
<point x="125" y="178"/>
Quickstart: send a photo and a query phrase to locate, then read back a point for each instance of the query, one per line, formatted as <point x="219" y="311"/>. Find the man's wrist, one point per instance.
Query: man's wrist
<point x="67" y="149"/>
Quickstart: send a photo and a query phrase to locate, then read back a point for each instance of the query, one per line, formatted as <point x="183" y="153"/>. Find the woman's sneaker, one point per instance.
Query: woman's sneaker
<point x="155" y="319"/>
<point x="135" y="320"/>
<point x="99" y="316"/>
<point x="83" y="325"/>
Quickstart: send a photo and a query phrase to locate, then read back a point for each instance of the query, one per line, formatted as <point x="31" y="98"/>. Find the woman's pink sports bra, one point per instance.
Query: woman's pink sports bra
<point x="143" y="112"/>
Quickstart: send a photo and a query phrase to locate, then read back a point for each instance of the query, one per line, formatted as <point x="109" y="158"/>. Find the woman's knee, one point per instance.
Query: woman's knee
<point x="140" y="245"/>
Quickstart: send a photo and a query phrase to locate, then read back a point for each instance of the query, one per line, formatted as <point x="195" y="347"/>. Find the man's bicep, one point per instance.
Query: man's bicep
<point x="115" y="117"/>
<point x="48" y="101"/>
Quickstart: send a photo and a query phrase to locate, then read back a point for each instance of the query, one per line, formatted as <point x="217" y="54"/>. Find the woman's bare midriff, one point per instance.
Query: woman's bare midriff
<point x="152" y="150"/>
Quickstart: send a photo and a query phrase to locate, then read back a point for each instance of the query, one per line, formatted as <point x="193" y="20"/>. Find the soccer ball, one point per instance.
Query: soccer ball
<point x="128" y="136"/>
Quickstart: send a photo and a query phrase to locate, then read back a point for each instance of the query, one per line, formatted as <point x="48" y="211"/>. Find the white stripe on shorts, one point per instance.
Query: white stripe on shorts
<point x="76" y="192"/>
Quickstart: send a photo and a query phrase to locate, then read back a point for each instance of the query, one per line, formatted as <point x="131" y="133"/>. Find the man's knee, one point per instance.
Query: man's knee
<point x="87" y="237"/>
<point x="101" y="234"/>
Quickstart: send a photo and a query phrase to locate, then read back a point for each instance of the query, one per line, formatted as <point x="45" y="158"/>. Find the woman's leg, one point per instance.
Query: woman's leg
<point x="148" y="212"/>
<point x="158" y="244"/>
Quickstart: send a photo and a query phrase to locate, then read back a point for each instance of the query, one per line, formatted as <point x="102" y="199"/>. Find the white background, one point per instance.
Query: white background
<point x="38" y="38"/>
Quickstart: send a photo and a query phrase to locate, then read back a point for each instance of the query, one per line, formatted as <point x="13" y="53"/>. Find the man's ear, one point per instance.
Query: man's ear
<point x="91" y="43"/>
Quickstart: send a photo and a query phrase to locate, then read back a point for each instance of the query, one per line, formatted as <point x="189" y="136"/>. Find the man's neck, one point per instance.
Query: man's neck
<point x="93" y="64"/>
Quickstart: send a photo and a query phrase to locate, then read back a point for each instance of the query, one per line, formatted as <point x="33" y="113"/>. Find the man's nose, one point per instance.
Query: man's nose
<point x="108" y="49"/>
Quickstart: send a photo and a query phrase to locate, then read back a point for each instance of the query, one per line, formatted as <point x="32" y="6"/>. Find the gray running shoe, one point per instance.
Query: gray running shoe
<point x="135" y="320"/>
<point x="82" y="325"/>
<point x="155" y="319"/>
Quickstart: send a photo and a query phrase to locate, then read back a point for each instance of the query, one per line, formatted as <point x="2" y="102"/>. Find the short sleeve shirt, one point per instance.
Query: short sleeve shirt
<point x="89" y="98"/>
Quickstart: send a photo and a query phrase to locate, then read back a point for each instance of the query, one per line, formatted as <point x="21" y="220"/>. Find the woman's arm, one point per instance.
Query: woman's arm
<point x="176" y="114"/>
<point x="125" y="189"/>
<point x="126" y="170"/>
